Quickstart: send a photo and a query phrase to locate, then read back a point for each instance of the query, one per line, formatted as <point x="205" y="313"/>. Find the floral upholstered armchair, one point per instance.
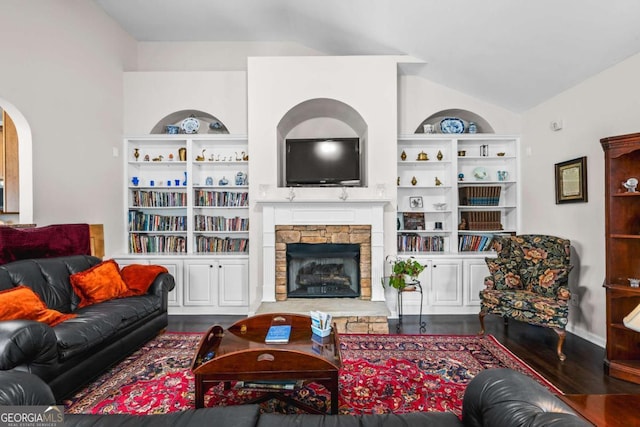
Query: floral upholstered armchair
<point x="529" y="283"/>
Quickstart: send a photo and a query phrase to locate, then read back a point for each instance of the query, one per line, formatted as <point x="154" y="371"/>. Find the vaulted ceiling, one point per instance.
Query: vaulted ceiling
<point x="513" y="53"/>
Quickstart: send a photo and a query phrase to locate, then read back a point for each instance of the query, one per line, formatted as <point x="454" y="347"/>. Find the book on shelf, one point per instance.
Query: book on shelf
<point x="279" y="331"/>
<point x="270" y="384"/>
<point x="413" y="220"/>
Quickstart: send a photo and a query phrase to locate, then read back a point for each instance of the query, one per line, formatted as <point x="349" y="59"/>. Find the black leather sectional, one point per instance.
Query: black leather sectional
<point x="73" y="353"/>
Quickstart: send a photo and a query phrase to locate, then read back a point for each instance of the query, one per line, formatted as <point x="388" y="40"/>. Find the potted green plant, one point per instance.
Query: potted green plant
<point x="401" y="270"/>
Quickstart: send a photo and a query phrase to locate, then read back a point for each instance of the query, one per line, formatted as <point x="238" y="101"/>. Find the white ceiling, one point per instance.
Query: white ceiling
<point x="513" y="53"/>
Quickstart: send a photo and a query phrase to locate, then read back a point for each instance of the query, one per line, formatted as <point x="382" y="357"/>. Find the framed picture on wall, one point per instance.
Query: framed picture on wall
<point x="415" y="202"/>
<point x="571" y="181"/>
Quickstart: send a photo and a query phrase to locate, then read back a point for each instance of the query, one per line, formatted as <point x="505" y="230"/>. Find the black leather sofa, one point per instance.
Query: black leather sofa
<point x="72" y="353"/>
<point x="494" y="398"/>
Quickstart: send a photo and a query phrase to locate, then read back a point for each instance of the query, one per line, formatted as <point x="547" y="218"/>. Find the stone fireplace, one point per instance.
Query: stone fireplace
<point x="323" y="261"/>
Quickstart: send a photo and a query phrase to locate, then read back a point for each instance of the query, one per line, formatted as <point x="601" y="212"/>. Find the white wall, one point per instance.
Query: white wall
<point x="604" y="105"/>
<point x="62" y="64"/>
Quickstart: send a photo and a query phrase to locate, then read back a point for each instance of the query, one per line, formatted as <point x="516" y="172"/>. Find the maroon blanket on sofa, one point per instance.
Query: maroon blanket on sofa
<point x="44" y="242"/>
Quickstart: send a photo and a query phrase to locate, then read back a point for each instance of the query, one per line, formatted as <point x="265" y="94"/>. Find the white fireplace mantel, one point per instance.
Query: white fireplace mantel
<point x="322" y="212"/>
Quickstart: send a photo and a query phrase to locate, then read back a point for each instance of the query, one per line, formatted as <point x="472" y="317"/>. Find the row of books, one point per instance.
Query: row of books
<point x="142" y="243"/>
<point x="475" y="242"/>
<point x="217" y="244"/>
<point x="220" y="223"/>
<point x="158" y="198"/>
<point x="417" y="243"/>
<point x="140" y="221"/>
<point x="221" y="198"/>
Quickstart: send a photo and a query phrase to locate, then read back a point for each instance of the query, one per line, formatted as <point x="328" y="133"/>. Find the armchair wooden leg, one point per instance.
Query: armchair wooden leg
<point x="481" y="317"/>
<point x="561" y="336"/>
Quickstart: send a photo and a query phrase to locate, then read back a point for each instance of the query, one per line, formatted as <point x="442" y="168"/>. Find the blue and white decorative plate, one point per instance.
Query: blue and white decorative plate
<point x="451" y="125"/>
<point x="480" y="173"/>
<point x="190" y="125"/>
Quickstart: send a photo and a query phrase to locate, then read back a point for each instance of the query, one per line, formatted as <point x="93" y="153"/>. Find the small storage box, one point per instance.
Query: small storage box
<point x="321" y="332"/>
<point x="479" y="196"/>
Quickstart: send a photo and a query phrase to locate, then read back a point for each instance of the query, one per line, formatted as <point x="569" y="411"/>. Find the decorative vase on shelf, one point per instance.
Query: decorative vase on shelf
<point x="403" y="156"/>
<point x="439" y="156"/>
<point x="473" y="128"/>
<point x="414" y="181"/>
<point x="136" y="153"/>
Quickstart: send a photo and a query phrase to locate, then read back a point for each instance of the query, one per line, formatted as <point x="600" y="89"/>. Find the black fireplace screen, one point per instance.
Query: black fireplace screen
<point x="325" y="270"/>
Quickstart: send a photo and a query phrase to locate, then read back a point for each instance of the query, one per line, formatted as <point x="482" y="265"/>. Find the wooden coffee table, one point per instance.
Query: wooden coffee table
<point x="240" y="354"/>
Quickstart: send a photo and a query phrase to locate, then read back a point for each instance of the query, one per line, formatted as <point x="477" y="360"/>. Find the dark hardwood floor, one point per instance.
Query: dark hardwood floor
<point x="581" y="373"/>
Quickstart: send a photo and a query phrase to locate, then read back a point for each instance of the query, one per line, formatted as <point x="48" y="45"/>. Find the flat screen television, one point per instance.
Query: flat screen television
<point x="322" y="162"/>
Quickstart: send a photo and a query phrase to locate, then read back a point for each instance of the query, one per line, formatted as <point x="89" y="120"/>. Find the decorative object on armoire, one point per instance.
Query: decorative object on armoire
<point x="223" y="181"/>
<point x="208" y="181"/>
<point x="439" y="156"/>
<point x="190" y="125"/>
<point x="146" y="158"/>
<point x="414" y="181"/>
<point x="241" y="178"/>
<point x="403" y="155"/>
<point x="438" y="182"/>
<point x="200" y="158"/>
<point x="630" y="185"/>
<point x="185" y="179"/>
<point x="136" y="153"/>
<point x="473" y="128"/>
<point x="429" y="128"/>
<point x="462" y="153"/>
<point x="182" y="154"/>
<point x="158" y="159"/>
<point x="422" y="156"/>
<point x="135" y="180"/>
<point x="484" y="150"/>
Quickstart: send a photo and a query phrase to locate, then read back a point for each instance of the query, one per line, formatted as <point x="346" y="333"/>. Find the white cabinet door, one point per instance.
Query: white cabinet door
<point x="475" y="270"/>
<point x="446" y="282"/>
<point x="201" y="283"/>
<point x="175" y="269"/>
<point x="234" y="283"/>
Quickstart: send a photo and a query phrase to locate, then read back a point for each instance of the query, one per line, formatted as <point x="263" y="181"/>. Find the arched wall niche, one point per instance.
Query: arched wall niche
<point x="467" y="116"/>
<point x="321" y="118"/>
<point x="208" y="123"/>
<point x="25" y="159"/>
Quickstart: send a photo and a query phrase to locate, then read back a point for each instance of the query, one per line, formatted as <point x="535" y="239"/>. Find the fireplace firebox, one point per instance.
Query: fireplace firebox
<point x="325" y="270"/>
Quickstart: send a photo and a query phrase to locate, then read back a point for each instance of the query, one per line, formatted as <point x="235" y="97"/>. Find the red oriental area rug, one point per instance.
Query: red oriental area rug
<point x="380" y="374"/>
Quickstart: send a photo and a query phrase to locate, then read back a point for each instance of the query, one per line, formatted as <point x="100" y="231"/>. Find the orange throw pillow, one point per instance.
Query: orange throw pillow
<point x="100" y="283"/>
<point x="22" y="302"/>
<point x="139" y="277"/>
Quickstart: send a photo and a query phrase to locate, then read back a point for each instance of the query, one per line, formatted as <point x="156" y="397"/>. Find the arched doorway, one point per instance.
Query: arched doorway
<point x="25" y="169"/>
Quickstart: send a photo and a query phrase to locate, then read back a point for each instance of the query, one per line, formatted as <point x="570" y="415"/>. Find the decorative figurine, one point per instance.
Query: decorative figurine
<point x="146" y="157"/>
<point x="463" y="224"/>
<point x="209" y="181"/>
<point x="241" y="178"/>
<point x="460" y="177"/>
<point x="158" y="159"/>
<point x="422" y="156"/>
<point x="200" y="158"/>
<point x="439" y="156"/>
<point x="170" y="157"/>
<point x="136" y="153"/>
<point x="223" y="181"/>
<point x="398" y="182"/>
<point x="245" y="157"/>
<point x="414" y="181"/>
<point x="438" y="182"/>
<point x="403" y="156"/>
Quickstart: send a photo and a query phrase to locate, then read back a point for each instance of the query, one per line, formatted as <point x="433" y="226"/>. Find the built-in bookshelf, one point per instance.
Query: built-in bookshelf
<point x="187" y="194"/>
<point x="456" y="192"/>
